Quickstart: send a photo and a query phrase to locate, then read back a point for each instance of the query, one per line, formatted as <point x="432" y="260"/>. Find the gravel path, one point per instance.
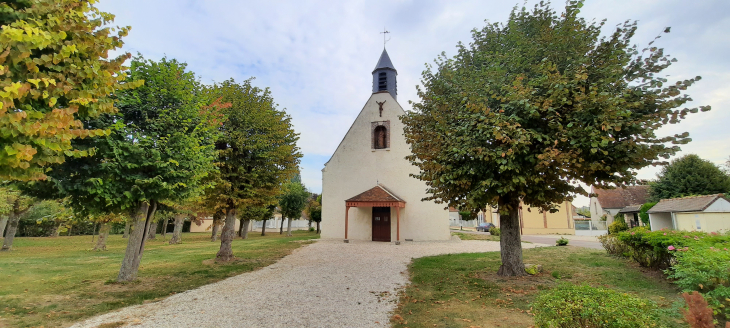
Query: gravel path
<point x="325" y="284"/>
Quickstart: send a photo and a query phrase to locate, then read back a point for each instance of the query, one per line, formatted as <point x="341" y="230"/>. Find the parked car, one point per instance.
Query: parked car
<point x="485" y="227"/>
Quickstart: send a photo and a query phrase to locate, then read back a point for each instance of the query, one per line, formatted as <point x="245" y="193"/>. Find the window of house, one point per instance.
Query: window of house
<point x="382" y="81"/>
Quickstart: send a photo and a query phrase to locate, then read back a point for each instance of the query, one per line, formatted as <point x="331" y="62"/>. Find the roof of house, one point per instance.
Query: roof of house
<point x="685" y="204"/>
<point x="376" y="194"/>
<point x="384" y="62"/>
<point x="622" y="197"/>
<point x="451" y="209"/>
<point x="631" y="209"/>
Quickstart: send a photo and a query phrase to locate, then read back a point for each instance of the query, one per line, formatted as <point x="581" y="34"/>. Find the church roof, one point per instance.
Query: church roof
<point x="376" y="194"/>
<point x="384" y="62"/>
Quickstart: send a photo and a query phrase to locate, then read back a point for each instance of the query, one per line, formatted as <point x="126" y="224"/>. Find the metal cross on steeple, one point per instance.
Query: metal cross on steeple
<point x="385" y="33"/>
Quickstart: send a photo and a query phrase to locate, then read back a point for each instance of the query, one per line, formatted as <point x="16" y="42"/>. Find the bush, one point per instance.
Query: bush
<point x="618" y="225"/>
<point x="311" y="229"/>
<point x="614" y="246"/>
<point x="494" y="231"/>
<point x="655" y="249"/>
<point x="561" y="242"/>
<point x="583" y="306"/>
<point x="706" y="270"/>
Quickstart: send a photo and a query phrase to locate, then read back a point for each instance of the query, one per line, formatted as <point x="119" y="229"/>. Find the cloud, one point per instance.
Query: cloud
<point x="317" y="56"/>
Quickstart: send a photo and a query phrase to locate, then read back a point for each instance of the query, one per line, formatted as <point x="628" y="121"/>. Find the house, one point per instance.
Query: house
<point x="610" y="202"/>
<point x="631" y="215"/>
<point x="710" y="213"/>
<point x="367" y="193"/>
<point x="561" y="222"/>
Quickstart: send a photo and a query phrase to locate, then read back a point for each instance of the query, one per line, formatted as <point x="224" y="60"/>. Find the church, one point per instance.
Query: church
<point x="367" y="193"/>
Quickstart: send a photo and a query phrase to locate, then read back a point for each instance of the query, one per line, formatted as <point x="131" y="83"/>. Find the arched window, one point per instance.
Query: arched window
<point x="381" y="137"/>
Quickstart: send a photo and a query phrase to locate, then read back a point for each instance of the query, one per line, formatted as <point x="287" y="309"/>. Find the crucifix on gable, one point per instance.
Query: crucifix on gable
<point x="380" y="106"/>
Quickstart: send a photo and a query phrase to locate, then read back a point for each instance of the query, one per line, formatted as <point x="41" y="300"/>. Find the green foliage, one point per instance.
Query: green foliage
<point x="494" y="231"/>
<point x="44" y="218"/>
<point x="584" y="212"/>
<point x="571" y="305"/>
<point x="467" y="215"/>
<point x="705" y="269"/>
<point x="562" y="242"/>
<point x="613" y="245"/>
<point x="257" y="150"/>
<point x="54" y="74"/>
<point x="542" y="100"/>
<point x="618" y="225"/>
<point x="656" y="249"/>
<point x="161" y="148"/>
<point x="689" y="175"/>
<point x="293" y="200"/>
<point x="642" y="212"/>
<point x="314" y="209"/>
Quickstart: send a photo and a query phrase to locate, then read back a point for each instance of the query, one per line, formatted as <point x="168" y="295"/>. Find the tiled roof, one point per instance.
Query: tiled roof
<point x="630" y="209"/>
<point x="376" y="194"/>
<point x="622" y="197"/>
<point x="685" y="204"/>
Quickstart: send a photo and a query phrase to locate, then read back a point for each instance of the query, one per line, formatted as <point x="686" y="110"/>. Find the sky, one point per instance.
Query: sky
<point x="317" y="56"/>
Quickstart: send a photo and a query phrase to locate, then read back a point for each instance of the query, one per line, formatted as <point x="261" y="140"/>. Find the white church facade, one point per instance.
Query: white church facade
<point x="367" y="193"/>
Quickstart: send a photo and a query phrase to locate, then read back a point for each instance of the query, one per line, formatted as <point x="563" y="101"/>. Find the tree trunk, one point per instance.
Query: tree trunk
<point x="135" y="246"/>
<point x="215" y="228"/>
<point x="225" y="254"/>
<point x="318" y="231"/>
<point x="288" y="228"/>
<point x="127" y="227"/>
<point x="56" y="230"/>
<point x="70" y="230"/>
<point x="94" y="232"/>
<point x="177" y="232"/>
<point x="151" y="234"/>
<point x="164" y="228"/>
<point x="245" y="228"/>
<point x="10" y="235"/>
<point x="510" y="240"/>
<point x="240" y="228"/>
<point x="263" y="227"/>
<point x="281" y="229"/>
<point x="103" y="236"/>
<point x="3" y="223"/>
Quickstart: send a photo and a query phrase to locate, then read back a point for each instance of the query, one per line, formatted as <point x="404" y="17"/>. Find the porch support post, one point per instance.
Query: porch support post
<point x="347" y="213"/>
<point x="397" y="224"/>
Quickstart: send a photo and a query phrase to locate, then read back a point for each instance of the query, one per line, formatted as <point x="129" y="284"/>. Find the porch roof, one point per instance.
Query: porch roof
<point x="376" y="196"/>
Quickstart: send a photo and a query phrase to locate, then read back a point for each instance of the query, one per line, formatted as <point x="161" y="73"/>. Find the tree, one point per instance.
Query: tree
<point x="533" y="106"/>
<point x="643" y="215"/>
<point x="314" y="210"/>
<point x="54" y="73"/>
<point x="106" y="221"/>
<point x="161" y="150"/>
<point x="266" y="216"/>
<point x="257" y="152"/>
<point x="689" y="175"/>
<point x="17" y="204"/>
<point x="292" y="202"/>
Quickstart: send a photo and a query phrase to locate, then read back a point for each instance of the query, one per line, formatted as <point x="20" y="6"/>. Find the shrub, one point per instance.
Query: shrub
<point x="654" y="248"/>
<point x="642" y="212"/>
<point x="494" y="231"/>
<point x="561" y="242"/>
<point x="311" y="229"/>
<point x="618" y="225"/>
<point x="614" y="246"/>
<point x="698" y="314"/>
<point x="706" y="270"/>
<point x="583" y="306"/>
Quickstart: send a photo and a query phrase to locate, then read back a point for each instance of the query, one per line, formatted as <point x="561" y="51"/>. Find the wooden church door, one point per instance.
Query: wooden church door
<point x="381" y="224"/>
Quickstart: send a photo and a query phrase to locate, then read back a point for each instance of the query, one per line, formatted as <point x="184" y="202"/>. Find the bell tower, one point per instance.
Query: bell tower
<point x="384" y="76"/>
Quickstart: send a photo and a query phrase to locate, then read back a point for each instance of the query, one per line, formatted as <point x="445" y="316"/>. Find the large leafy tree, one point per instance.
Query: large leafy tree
<point x="689" y="175"/>
<point x="534" y="105"/>
<point x="257" y="153"/>
<point x="161" y="150"/>
<point x="55" y="72"/>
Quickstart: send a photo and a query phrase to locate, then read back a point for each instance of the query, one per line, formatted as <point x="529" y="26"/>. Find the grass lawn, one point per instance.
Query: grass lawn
<point x="55" y="281"/>
<point x="473" y="236"/>
<point x="463" y="290"/>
